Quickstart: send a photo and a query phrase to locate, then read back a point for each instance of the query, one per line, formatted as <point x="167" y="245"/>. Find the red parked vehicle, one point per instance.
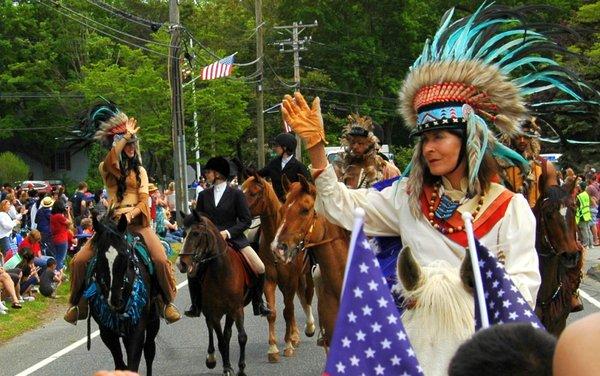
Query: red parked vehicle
<point x="38" y="185"/>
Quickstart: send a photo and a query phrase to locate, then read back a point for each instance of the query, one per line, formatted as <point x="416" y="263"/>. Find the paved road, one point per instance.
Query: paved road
<point x="181" y="348"/>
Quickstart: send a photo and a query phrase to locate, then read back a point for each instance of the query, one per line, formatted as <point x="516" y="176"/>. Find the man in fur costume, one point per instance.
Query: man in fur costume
<point x="541" y="176"/>
<point x="361" y="165"/>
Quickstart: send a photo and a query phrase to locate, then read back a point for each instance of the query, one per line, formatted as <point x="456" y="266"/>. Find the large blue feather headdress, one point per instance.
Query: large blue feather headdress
<point x="478" y="70"/>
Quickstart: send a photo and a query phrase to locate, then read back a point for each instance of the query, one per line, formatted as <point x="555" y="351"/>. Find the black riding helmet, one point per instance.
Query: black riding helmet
<point x="287" y="141"/>
<point x="218" y="164"/>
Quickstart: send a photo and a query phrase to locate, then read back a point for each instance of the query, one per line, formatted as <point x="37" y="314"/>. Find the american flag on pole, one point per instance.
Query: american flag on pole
<point x="369" y="338"/>
<point x="218" y="69"/>
<point x="504" y="302"/>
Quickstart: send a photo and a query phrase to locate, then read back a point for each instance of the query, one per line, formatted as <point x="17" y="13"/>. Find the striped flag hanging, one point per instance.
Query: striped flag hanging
<point x="218" y="69"/>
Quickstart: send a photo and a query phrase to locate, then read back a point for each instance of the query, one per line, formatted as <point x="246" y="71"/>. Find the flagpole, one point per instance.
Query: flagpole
<point x="468" y="220"/>
<point x="359" y="218"/>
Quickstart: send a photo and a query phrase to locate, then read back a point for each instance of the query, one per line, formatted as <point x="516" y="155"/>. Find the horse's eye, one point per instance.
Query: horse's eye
<point x="304" y="211"/>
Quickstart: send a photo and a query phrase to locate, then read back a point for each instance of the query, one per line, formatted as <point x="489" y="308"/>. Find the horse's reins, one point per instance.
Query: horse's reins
<point x="554" y="252"/>
<point x="303" y="244"/>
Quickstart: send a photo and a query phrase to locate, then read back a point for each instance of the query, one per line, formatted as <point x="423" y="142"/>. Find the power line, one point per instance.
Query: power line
<point x="125" y="15"/>
<point x="279" y="78"/>
<point x="108" y="27"/>
<point x="387" y="99"/>
<point x="102" y="31"/>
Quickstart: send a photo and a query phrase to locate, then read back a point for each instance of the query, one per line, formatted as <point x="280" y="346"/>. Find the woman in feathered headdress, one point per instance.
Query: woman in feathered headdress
<point x="127" y="184"/>
<point x="473" y="75"/>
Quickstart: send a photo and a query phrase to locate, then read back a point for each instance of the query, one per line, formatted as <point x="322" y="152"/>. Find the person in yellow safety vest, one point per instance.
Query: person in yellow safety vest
<point x="583" y="216"/>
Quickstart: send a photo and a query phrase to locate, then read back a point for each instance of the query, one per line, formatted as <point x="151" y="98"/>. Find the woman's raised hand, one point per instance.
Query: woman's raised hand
<point x="306" y="121"/>
<point x="131" y="126"/>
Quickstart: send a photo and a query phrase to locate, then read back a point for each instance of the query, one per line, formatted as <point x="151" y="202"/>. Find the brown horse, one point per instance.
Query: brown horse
<point x="303" y="229"/>
<point x="224" y="291"/>
<point x="290" y="278"/>
<point x="560" y="256"/>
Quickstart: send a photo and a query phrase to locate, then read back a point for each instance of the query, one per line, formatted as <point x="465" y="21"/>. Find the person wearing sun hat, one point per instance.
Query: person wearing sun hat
<point x="127" y="185"/>
<point x="42" y="220"/>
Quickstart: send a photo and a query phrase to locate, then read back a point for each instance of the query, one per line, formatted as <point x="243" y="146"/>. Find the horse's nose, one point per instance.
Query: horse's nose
<point x="182" y="266"/>
<point x="280" y="251"/>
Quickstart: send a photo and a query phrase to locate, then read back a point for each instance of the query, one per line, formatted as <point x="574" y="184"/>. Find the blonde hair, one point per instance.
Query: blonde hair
<point x="35" y="235"/>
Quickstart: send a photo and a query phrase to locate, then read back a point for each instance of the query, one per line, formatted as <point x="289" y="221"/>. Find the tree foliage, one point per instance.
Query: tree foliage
<point x="13" y="168"/>
<point x="58" y="58"/>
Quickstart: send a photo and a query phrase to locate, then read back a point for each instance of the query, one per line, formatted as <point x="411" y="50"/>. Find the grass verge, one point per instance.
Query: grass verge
<point x="36" y="313"/>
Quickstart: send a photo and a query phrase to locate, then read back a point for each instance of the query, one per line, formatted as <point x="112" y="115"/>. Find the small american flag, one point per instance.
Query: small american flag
<point x="218" y="69"/>
<point x="504" y="302"/>
<point x="369" y="338"/>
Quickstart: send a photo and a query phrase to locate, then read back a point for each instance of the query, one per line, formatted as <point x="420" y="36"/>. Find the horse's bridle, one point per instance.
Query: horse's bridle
<point x="197" y="259"/>
<point x="304" y="244"/>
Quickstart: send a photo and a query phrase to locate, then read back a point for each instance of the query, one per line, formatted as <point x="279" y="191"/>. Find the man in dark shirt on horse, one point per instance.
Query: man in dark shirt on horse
<point x="542" y="176"/>
<point x="228" y="210"/>
<point x="284" y="146"/>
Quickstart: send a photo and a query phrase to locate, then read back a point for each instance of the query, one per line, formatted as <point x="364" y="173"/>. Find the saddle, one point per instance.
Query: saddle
<point x="249" y="275"/>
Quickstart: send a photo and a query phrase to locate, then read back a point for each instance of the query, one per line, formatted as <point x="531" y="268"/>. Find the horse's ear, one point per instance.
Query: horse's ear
<point x="196" y="215"/>
<point x="253" y="173"/>
<point x="98" y="227"/>
<point x="569" y="185"/>
<point x="122" y="226"/>
<point x="466" y="273"/>
<point x="304" y="183"/>
<point x="285" y="183"/>
<point x="408" y="269"/>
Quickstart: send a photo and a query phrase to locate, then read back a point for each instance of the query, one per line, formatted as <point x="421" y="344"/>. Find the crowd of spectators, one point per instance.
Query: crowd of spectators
<point x="39" y="231"/>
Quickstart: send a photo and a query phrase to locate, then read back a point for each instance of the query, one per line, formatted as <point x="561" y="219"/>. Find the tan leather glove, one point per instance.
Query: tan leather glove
<point x="306" y="121"/>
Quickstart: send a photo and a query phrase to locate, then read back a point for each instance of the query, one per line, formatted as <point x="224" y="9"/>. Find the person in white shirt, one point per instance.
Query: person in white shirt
<point x="6" y="227"/>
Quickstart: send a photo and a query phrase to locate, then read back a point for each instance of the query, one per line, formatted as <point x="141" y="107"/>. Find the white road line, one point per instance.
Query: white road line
<point x="69" y="348"/>
<point x="587" y="297"/>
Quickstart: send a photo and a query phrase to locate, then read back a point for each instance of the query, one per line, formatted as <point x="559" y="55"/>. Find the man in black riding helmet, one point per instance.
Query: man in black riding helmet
<point x="227" y="208"/>
<point x="284" y="146"/>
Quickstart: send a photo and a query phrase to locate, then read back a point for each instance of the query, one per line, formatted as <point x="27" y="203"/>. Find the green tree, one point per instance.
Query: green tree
<point x="13" y="168"/>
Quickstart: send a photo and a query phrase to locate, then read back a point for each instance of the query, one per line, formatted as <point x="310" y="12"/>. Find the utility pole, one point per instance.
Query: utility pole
<point x="196" y="136"/>
<point x="178" y="133"/>
<point x="260" y="119"/>
<point x="297" y="45"/>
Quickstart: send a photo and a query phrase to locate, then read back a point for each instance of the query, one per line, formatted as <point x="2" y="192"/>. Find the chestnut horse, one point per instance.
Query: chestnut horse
<point x="560" y="255"/>
<point x="303" y="229"/>
<point x="223" y="287"/>
<point x="291" y="278"/>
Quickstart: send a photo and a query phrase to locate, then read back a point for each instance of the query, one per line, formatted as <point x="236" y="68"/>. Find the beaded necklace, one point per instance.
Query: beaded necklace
<point x="438" y="218"/>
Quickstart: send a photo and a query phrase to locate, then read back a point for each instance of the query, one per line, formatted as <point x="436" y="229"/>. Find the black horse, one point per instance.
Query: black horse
<point x="559" y="255"/>
<point x="120" y="290"/>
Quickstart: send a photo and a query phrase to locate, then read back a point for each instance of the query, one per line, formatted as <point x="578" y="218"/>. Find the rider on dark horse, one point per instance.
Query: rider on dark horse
<point x="126" y="181"/>
<point x="227" y="208"/>
<point x="285" y="163"/>
<point x="541" y="177"/>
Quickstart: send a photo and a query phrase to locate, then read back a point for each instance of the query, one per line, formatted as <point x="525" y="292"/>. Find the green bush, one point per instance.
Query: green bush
<point x="12" y="168"/>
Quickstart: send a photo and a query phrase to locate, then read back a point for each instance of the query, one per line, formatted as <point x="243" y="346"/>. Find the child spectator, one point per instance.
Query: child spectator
<point x="50" y="279"/>
<point x="87" y="227"/>
<point x="506" y="349"/>
<point x="29" y="274"/>
<point x="33" y="242"/>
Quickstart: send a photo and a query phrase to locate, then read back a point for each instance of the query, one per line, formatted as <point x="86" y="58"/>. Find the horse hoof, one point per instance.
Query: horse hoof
<point x="274" y="358"/>
<point x="288" y="352"/>
<point x="296" y="343"/>
<point x="228" y="372"/>
<point x="309" y="330"/>
<point x="210" y="364"/>
<point x="241" y="373"/>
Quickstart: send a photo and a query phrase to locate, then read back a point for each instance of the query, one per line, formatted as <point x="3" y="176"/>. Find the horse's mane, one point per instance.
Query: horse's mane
<point x="443" y="305"/>
<point x="555" y="193"/>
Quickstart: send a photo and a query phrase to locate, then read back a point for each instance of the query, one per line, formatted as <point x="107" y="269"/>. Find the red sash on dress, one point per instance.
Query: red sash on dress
<point x="482" y="225"/>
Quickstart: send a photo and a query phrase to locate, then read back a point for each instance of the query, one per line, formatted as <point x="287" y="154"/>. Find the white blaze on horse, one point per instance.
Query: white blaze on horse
<point x="439" y="309"/>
